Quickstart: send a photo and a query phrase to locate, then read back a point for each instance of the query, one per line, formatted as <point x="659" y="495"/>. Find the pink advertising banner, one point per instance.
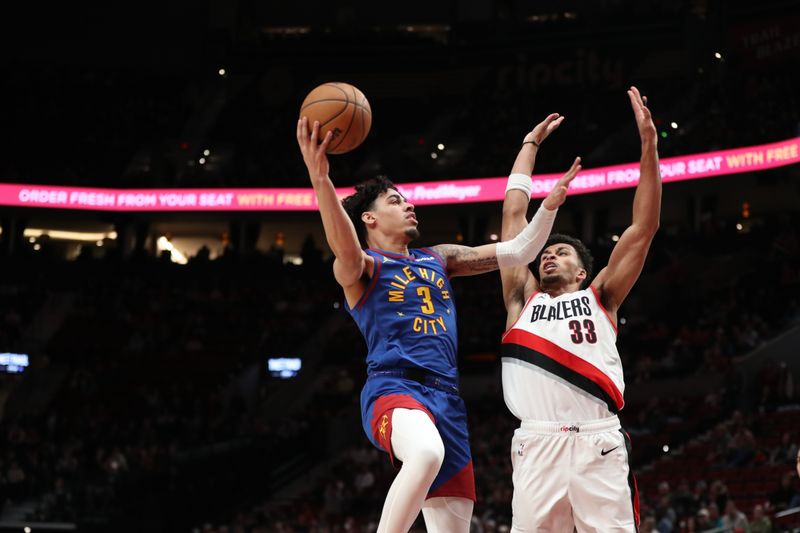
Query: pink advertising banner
<point x="697" y="166"/>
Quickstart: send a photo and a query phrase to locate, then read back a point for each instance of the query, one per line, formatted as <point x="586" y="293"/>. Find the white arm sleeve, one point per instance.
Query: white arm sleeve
<point x="524" y="248"/>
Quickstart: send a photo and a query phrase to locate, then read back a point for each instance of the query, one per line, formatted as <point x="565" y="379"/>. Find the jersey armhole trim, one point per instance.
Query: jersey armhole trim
<point x="525" y="306"/>
<point x="376" y="271"/>
<point x="390" y="255"/>
<point x="438" y="258"/>
<point x="605" y="311"/>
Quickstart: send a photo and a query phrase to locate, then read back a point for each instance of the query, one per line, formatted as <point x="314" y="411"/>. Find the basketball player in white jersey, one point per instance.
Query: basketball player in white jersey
<point x="562" y="374"/>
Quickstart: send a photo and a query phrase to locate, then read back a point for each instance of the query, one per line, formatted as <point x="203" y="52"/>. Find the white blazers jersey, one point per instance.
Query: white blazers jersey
<point x="560" y="360"/>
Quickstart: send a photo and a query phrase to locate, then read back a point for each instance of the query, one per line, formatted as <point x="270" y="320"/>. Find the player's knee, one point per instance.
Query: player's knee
<point x="417" y="442"/>
<point x="429" y="455"/>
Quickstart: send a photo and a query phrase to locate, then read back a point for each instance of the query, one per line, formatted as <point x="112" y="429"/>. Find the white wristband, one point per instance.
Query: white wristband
<point x="520" y="181"/>
<point x="523" y="249"/>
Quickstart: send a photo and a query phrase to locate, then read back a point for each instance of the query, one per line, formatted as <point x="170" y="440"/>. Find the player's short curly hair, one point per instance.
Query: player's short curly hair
<point x="363" y="200"/>
<point x="587" y="261"/>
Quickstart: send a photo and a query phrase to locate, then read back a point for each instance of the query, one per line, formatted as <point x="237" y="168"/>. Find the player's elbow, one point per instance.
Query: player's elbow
<point x="647" y="226"/>
<point x="641" y="233"/>
<point x="514" y="210"/>
<point x="652" y="227"/>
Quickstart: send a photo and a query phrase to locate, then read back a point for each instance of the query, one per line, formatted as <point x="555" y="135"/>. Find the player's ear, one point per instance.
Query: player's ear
<point x="581" y="275"/>
<point x="368" y="217"/>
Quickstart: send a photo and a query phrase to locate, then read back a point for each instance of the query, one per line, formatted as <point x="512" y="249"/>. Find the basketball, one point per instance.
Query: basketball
<point x="340" y="108"/>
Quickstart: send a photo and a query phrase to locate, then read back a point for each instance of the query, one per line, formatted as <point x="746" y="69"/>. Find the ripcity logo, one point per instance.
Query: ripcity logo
<point x="570" y="429"/>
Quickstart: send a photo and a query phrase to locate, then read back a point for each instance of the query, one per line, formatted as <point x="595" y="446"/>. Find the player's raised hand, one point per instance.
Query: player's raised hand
<point x="644" y="120"/>
<point x="559" y="193"/>
<point x="540" y="132"/>
<point x="314" y="152"/>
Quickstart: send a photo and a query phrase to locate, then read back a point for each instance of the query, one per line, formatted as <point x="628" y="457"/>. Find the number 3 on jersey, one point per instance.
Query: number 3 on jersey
<point x="581" y="332"/>
<point x="425" y="292"/>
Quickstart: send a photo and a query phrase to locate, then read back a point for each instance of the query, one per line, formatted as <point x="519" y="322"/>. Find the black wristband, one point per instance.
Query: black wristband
<point x="531" y="142"/>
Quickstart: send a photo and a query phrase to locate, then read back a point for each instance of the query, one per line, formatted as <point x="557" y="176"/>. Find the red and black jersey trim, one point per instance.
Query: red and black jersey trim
<point x="550" y="357"/>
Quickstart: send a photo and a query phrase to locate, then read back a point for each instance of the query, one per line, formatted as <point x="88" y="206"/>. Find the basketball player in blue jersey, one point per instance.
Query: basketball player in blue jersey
<point x="562" y="374"/>
<point x="402" y="301"/>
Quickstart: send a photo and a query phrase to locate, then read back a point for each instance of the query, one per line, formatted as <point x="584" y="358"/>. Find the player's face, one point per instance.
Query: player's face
<point x="393" y="213"/>
<point x="560" y="264"/>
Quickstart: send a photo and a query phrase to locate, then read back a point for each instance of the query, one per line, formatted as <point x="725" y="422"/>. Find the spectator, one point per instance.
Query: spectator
<point x="718" y="493"/>
<point x="742" y="447"/>
<point x="760" y="522"/>
<point x="714" y="519"/>
<point x="735" y="520"/>
<point x="786" y="495"/>
<point x="703" y="520"/>
<point x="786" y="452"/>
<point x="700" y="495"/>
<point x="683" y="500"/>
<point x="649" y="524"/>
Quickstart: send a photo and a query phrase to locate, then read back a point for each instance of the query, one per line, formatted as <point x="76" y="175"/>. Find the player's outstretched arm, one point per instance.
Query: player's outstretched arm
<point x="348" y="268"/>
<point x="517" y="252"/>
<point x="515" y="208"/>
<point x="625" y="265"/>
<point x="518" y="281"/>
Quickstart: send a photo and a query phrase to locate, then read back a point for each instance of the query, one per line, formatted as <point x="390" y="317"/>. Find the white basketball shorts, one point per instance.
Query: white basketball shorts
<point x="573" y="475"/>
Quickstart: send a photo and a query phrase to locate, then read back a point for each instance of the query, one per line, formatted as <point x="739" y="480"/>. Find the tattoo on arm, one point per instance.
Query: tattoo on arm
<point x="466" y="260"/>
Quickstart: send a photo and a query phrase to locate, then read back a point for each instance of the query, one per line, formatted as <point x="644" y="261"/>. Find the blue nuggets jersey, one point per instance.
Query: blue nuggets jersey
<point x="407" y="314"/>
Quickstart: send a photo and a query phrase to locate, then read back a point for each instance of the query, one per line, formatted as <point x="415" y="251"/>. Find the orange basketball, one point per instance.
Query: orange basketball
<point x="342" y="109"/>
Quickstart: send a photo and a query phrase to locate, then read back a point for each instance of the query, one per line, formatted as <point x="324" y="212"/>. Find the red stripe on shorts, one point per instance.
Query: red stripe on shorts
<point x="462" y="485"/>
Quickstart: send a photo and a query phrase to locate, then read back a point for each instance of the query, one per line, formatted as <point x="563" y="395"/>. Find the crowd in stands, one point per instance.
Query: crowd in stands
<point x="147" y="358"/>
<point x="156" y="387"/>
<point x="651" y="422"/>
<point x="728" y="477"/>
<point x="129" y="414"/>
<point x="160" y="414"/>
<point x="350" y="495"/>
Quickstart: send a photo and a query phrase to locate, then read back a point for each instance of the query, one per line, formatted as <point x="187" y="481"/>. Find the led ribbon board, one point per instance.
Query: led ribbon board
<point x="697" y="166"/>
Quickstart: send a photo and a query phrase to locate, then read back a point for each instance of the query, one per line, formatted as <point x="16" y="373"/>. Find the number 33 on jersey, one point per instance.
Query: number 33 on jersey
<point x="560" y="356"/>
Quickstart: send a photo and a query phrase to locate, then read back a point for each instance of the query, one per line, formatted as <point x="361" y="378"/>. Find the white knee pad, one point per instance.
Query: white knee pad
<point x="416" y="440"/>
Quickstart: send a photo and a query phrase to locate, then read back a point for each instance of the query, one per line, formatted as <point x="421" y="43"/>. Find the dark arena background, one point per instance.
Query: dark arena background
<point x="178" y="359"/>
